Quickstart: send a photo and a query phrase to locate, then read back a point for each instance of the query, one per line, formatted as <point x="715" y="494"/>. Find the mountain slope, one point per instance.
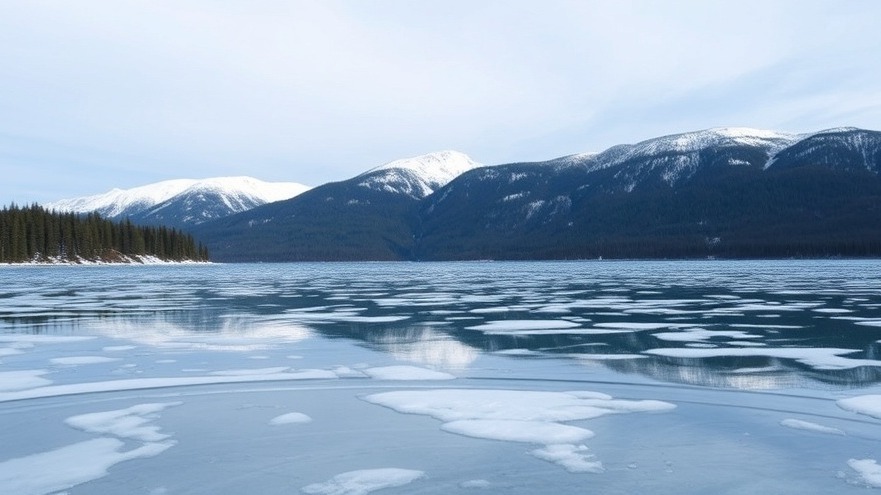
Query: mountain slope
<point x="370" y="216"/>
<point x="183" y="202"/>
<point x="718" y="192"/>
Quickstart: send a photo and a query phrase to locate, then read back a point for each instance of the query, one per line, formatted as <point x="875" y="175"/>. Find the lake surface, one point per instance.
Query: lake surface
<point x="333" y="378"/>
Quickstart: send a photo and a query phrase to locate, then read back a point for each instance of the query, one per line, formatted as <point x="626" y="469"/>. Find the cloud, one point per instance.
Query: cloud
<point x="314" y="91"/>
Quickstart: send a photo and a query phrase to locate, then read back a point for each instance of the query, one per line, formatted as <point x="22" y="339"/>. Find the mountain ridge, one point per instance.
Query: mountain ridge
<point x="718" y="192"/>
<point x="182" y="202"/>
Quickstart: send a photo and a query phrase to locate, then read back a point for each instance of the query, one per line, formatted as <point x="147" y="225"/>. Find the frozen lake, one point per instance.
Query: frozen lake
<point x="442" y="378"/>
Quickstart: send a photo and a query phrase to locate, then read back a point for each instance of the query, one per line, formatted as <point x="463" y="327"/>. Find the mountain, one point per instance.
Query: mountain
<point x="369" y="216"/>
<point x="718" y="192"/>
<point x="182" y="202"/>
<point x="727" y="192"/>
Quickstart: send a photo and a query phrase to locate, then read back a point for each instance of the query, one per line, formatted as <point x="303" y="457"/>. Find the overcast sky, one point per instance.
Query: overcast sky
<point x="117" y="93"/>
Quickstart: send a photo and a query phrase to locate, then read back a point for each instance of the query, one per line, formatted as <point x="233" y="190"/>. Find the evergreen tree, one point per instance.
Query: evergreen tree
<point x="35" y="234"/>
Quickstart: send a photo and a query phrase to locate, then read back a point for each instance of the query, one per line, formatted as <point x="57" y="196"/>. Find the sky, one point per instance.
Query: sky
<point x="122" y="93"/>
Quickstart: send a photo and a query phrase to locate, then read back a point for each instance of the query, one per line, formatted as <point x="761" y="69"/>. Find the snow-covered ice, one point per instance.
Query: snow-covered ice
<point x="132" y="422"/>
<point x="66" y="467"/>
<point x="290" y="418"/>
<point x="798" y="424"/>
<point x="24" y="379"/>
<point x="402" y="372"/>
<point x="519" y="416"/>
<point x="870" y="405"/>
<point x="78" y="360"/>
<point x="868" y="469"/>
<point x="364" y="481"/>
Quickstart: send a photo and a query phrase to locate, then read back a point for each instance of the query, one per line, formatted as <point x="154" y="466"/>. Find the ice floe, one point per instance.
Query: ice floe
<point x="868" y="469"/>
<point x="403" y="372"/>
<point x="364" y="481"/>
<point x="515" y="430"/>
<point x="475" y="484"/>
<point x="573" y="458"/>
<point x="290" y="418"/>
<point x="519" y="416"/>
<point x="798" y="424"/>
<point x="822" y="358"/>
<point x="870" y="405"/>
<point x="131" y="423"/>
<point x="156" y="383"/>
<point x="78" y="360"/>
<point x="251" y="371"/>
<point x="522" y="326"/>
<point x="66" y="467"/>
<point x="701" y="334"/>
<point x="21" y="380"/>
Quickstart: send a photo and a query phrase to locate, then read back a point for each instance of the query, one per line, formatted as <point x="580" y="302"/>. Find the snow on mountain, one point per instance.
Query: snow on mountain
<point x="678" y="156"/>
<point x="693" y="142"/>
<point x="235" y="193"/>
<point x="418" y="176"/>
<point x="118" y="201"/>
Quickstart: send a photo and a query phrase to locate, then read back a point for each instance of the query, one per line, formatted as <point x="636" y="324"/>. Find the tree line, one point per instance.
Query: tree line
<point x="34" y="234"/>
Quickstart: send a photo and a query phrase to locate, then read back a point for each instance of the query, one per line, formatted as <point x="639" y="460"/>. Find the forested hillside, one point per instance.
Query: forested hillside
<point x="34" y="234"/>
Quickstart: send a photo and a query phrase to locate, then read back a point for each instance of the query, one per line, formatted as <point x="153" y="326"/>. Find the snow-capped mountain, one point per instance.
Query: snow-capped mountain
<point x="183" y="201"/>
<point x="365" y="217"/>
<point x="419" y="176"/>
<point x="717" y="192"/>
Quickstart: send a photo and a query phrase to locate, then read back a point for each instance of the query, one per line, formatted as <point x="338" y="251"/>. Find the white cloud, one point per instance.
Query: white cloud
<point x="319" y="91"/>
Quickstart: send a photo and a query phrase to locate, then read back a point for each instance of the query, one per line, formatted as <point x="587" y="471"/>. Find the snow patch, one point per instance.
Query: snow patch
<point x="78" y="360"/>
<point x="406" y="373"/>
<point x="798" y="424"/>
<point x="21" y="380"/>
<point x="519" y="416"/>
<point x="870" y="405"/>
<point x="506" y="326"/>
<point x="573" y="458"/>
<point x="66" y="467"/>
<point x="868" y="469"/>
<point x="290" y="418"/>
<point x="364" y="481"/>
<point x="130" y="423"/>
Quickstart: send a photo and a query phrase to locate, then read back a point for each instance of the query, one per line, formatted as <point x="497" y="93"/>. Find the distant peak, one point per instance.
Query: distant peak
<point x="446" y="158"/>
<point x="418" y="176"/>
<point x="836" y="130"/>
